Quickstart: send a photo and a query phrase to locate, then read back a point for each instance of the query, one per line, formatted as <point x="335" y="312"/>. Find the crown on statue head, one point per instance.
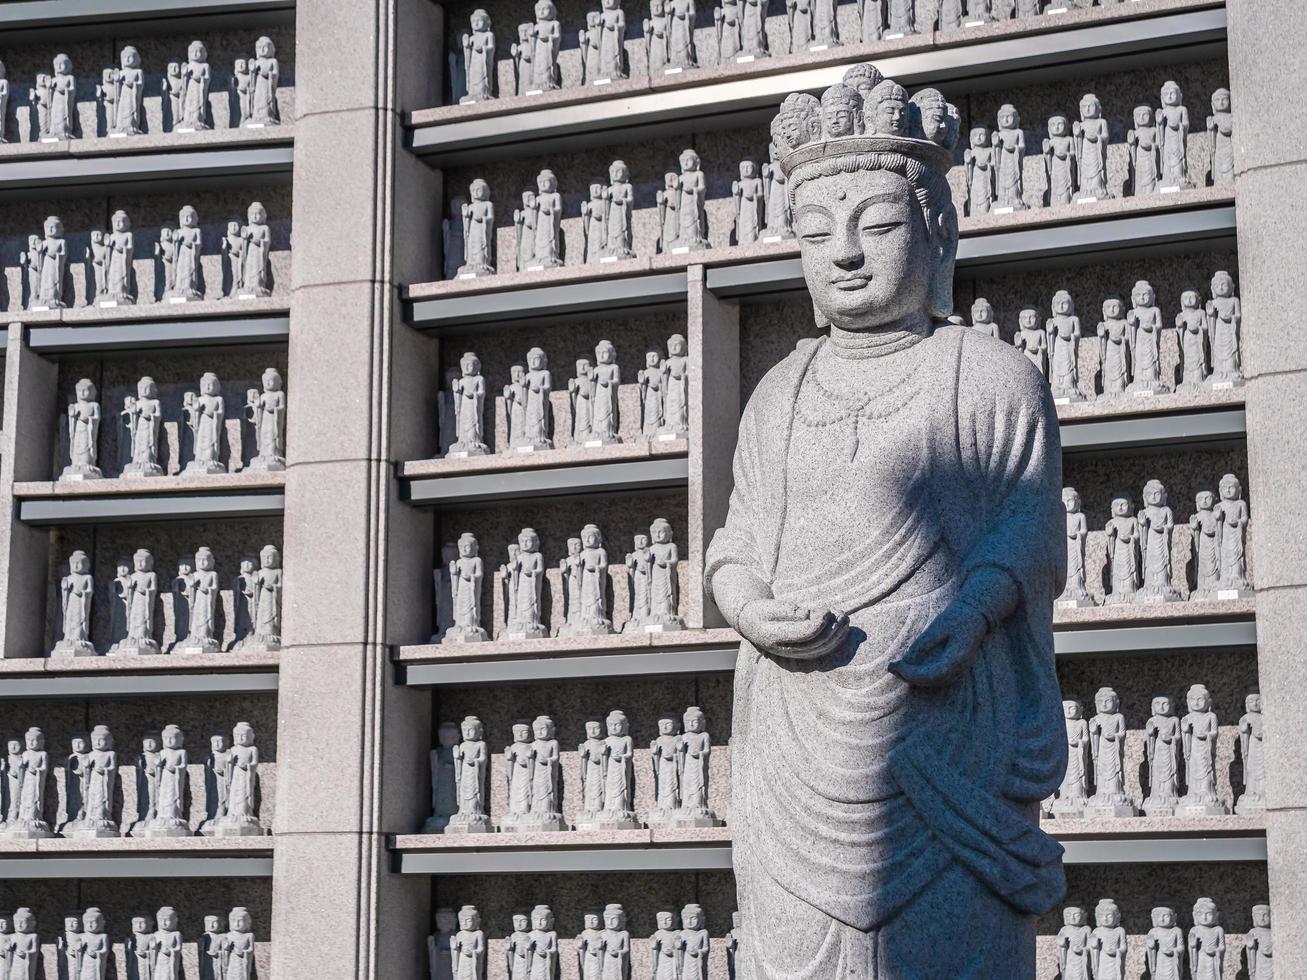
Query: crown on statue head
<point x="865" y="113"/>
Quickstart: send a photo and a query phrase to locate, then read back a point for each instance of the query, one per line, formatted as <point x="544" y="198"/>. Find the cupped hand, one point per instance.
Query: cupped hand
<point x="948" y="646"/>
<point x="783" y="629"/>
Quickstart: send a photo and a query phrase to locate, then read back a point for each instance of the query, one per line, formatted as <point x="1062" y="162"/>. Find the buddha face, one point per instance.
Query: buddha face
<point x="102" y="740"/>
<point x="1189" y="300"/>
<point x="593" y="18"/>
<point x="542" y="919"/>
<point x="24" y="921"/>
<point x="469" y="919"/>
<point x="145" y="388"/>
<point x="748" y="169"/>
<point x="666" y="726"/>
<point x="1143" y="294"/>
<point x="257" y="214"/>
<point x="979" y="138"/>
<point x="121" y="222"/>
<point x="1112" y="309"/>
<point x="546" y="182"/>
<point x="471" y="730"/>
<point x="1171" y="94"/>
<point x="614" y="918"/>
<point x="79" y="746"/>
<point x="1143" y="117"/>
<point x="1062" y="304"/>
<point x="149" y="744"/>
<point x="1162" y="706"/>
<point x="1222" y="286"/>
<point x="243" y="735"/>
<point x="1057" y="126"/>
<point x="204" y="560"/>
<point x="1205" y="500"/>
<point x="617" y="725"/>
<point x="521" y="733"/>
<point x="1121" y="507"/>
<point x="63" y="65"/>
<point x="143" y="561"/>
<point x="1028" y="318"/>
<point x="140" y="925"/>
<point x="212" y="923"/>
<point x="1106" y="701"/>
<point x="242" y="66"/>
<point x="865" y="248"/>
<point x="591" y="537"/>
<point x="1262" y="916"/>
<point x="167" y="919"/>
<point x="694" y="721"/>
<point x="982" y="312"/>
<point x="606" y="353"/>
<point x="573" y="546"/>
<point x="1205" y="914"/>
<point x="131" y="58"/>
<point x="79" y="563"/>
<point x="691" y="917"/>
<point x="676" y="345"/>
<point x="197" y="52"/>
<point x="934" y="113"/>
<point x="689" y="162"/>
<point x="1107" y="916"/>
<point x="888" y="115"/>
<point x="591" y="921"/>
<point x="239" y="920"/>
<point x="218" y="744"/>
<point x="528" y="541"/>
<point x="1198" y="699"/>
<point x="263" y="47"/>
<point x="1071" y="710"/>
<point x="583" y="367"/>
<point x="618" y="172"/>
<point x="93" y="921"/>
<point x="15" y="747"/>
<point x="545" y="10"/>
<point x="1071" y="501"/>
<point x="665" y="920"/>
<point x="594" y="729"/>
<point x="1231" y="489"/>
<point x="1163" y="918"/>
<point x="641" y="542"/>
<point x="1253" y="704"/>
<point x="480" y="21"/>
<point x="173" y="737"/>
<point x="1007" y="117"/>
<point x="1154" y="494"/>
<point x="1073" y="916"/>
<point x="521" y="923"/>
<point x="479" y="190"/>
<point x="272" y="380"/>
<point x="270" y="557"/>
<point x="54" y="228"/>
<point x="1090" y="107"/>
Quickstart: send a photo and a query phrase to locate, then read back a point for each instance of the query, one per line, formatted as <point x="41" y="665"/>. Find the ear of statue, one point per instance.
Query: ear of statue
<point x="944" y="249"/>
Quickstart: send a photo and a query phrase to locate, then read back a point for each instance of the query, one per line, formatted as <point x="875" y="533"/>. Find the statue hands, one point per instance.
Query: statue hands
<point x="948" y="646"/>
<point x="782" y="629"/>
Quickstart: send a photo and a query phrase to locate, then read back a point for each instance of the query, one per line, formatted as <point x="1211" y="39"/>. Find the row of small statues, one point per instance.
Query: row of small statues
<point x="740" y="36"/>
<point x="593" y="394"/>
<point x="458" y="950"/>
<point x="533" y="771"/>
<point x="1130" y="341"/>
<point x="651" y="570"/>
<point x="1099" y="953"/>
<point x="205" y="412"/>
<point x="91" y="787"/>
<point x="153" y="952"/>
<point x="1075" y="155"/>
<point x="1175" y="747"/>
<point x="1139" y="548"/>
<point x="184" y="87"/>
<point x="111" y="256"/>
<point x="195" y="591"/>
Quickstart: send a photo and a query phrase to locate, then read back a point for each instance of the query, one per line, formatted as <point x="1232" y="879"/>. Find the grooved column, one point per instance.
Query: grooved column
<point x="1266" y="44"/>
<point x="344" y="727"/>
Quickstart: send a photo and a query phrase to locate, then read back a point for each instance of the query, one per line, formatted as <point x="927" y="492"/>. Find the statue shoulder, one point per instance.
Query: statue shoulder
<point x="987" y="364"/>
<point x="777" y="386"/>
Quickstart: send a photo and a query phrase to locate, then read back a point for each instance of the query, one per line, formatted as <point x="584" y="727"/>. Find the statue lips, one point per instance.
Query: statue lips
<point x="851" y="284"/>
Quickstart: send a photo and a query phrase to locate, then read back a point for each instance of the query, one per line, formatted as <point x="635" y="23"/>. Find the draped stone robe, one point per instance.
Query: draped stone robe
<point x="862" y="807"/>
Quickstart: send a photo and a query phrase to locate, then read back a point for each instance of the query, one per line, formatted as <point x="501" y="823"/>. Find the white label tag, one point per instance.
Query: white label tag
<point x="247" y="296"/>
<point x="593" y="444"/>
<point x="39" y="309"/>
<point x="525" y="449"/>
<point x="1222" y="385"/>
<point x="254" y="125"/>
<point x="666" y="437"/>
<point x="458" y="455"/>
<point x="117" y="136"/>
<point x="1001" y="211"/>
<point x="1143" y="394"/>
<point x="1172" y="189"/>
<point x="681" y="250"/>
<point x="819" y="47"/>
<point x="1065" y="603"/>
<point x="176" y="299"/>
<point x="467" y="275"/>
<point x="893" y="37"/>
<point x="1149" y="599"/>
<point x="108" y="302"/>
<point x="1055" y="10"/>
<point x="654" y="628"/>
<point x="743" y="59"/>
<point x="1086" y="200"/>
<point x="535" y="268"/>
<point x="607" y="258"/>
<point x="1061" y="401"/>
<point x="535" y="91"/>
<point x="602" y="81"/>
<point x="184" y="129"/>
<point x="974" y="23"/>
<point x="671" y="71"/>
<point x="771" y="238"/>
<point x="50" y="139"/>
<point x="1225" y="594"/>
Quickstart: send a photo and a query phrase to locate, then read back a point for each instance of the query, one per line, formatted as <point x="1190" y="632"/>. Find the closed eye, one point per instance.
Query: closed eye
<point x="881" y="228"/>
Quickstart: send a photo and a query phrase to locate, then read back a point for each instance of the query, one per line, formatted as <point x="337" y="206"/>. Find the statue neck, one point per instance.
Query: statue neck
<point x="889" y="338"/>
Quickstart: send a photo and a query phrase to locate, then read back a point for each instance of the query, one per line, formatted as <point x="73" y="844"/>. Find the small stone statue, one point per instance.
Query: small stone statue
<point x="210" y="948"/>
<point x="68" y="947"/>
<point x="665" y="947"/>
<point x="526" y="570"/>
<point x="694" y="944"/>
<point x="618" y="812"/>
<point x="266" y="411"/>
<point x="123" y="95"/>
<point x="1206" y="528"/>
<point x="726" y="17"/>
<point x="750" y="201"/>
<point x="546" y="777"/>
<point x="143" y="416"/>
<point x="612" y="49"/>
<point x="515" y="408"/>
<point x="201" y="595"/>
<point x="169" y="812"/>
<point x="524" y="233"/>
<point x="570" y="567"/>
<point x="517" y="952"/>
<point x="138" y="591"/>
<point x="179" y="251"/>
<point x="1220" y="134"/>
<point x="23" y="954"/>
<point x="1076" y="595"/>
<point x="593" y="234"/>
<point x="592" y="611"/>
<point x="111" y="257"/>
<point x="1091" y="138"/>
<point x="260" y="108"/>
<point x="479" y="59"/>
<point x="471" y="766"/>
<point x="444" y="783"/>
<point x="618" y="203"/>
<point x="1108" y="942"/>
<point x="638" y="563"/>
<point x="1145" y="162"/>
<point x="1060" y="164"/>
<point x="465" y="576"/>
<point x="1032" y="339"/>
<point x="27" y="775"/>
<point x="665" y="760"/>
<point x="668" y="200"/>
<point x="692" y="218"/>
<point x="76" y="590"/>
<point x="1165" y="946"/>
<point x="236" y="952"/>
<point x="479" y="229"/>
<point x="593" y="757"/>
<point x="544" y="36"/>
<point x="1225" y="317"/>
<point x="217" y="773"/>
<point x="1074" y="791"/>
<point x="779" y="221"/>
<point x="663" y="586"/>
<point x="469" y="396"/>
<point x="1232" y="512"/>
<point x="1172" y="132"/>
<point x="982" y="318"/>
<point x="1192" y="325"/>
<point x="205" y="415"/>
<point x="1115" y="344"/>
<point x="1206" y="942"/>
<point x="1198" y="731"/>
<point x="1156" y="522"/>
<point x="581" y="392"/>
<point x="521" y="54"/>
<point x="147" y="779"/>
<point x="681" y="51"/>
<point x="871" y="20"/>
<point x="694" y="749"/>
<point x="651" y="378"/>
<point x="1074" y="945"/>
<point x="241" y="820"/>
<point x="1107" y="746"/>
<point x="656" y="27"/>
<point x="263" y="601"/>
<point x="166" y="947"/>
<point x="100" y="781"/>
<point x="615" y="946"/>
<point x="605" y="381"/>
<point x="55" y="99"/>
<point x="190" y="111"/>
<point x="1162" y="734"/>
<point x="676" y="389"/>
<point x="467" y="947"/>
<point x="255" y="260"/>
<point x="901" y="19"/>
<point x="1258" y="946"/>
<point x="1010" y="148"/>
<point x="981" y="170"/>
<point x="546" y="248"/>
<point x="46" y="259"/>
<point x="1146" y="327"/>
<point x="1252" y="751"/>
<point x="75" y="769"/>
<point x="543" y="945"/>
<point x="537" y="385"/>
<point x="1063" y="330"/>
<point x="813" y="25"/>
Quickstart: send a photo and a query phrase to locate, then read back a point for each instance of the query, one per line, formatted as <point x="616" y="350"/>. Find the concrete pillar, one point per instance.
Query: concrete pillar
<point x="29" y="396"/>
<point x="350" y="741"/>
<point x="1266" y="41"/>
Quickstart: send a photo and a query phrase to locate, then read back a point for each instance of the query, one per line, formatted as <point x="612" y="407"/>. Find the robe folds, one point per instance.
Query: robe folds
<point x="858" y="797"/>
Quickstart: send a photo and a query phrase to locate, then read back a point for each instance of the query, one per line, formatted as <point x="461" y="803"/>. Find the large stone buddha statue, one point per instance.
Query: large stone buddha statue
<point x="891" y="556"/>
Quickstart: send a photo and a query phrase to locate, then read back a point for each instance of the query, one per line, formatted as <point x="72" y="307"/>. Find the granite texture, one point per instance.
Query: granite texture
<point x="90" y="56"/>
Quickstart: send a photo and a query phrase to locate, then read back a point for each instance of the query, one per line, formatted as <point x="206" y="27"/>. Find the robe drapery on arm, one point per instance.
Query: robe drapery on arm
<point x="891" y="785"/>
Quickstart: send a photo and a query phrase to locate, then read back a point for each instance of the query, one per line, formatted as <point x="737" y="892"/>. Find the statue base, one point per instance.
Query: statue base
<point x="1107" y="807"/>
<point x="1224" y="382"/>
<point x="669" y="433"/>
<point x="469" y="825"/>
<point x="687" y="818"/>
<point x="535" y="632"/>
<point x="459" y="634"/>
<point x="1088" y="603"/>
<point x="258" y="644"/>
<point x="1200" y="808"/>
<point x="531" y="447"/>
<point x="199" y="645"/>
<point x="1119" y="598"/>
<point x="1065" y="396"/>
<point x="516" y="824"/>
<point x="673" y="625"/>
<point x="266" y="464"/>
<point x="27" y="830"/>
<point x="462" y="450"/>
<point x="615" y="820"/>
<point x="140" y="470"/>
<point x="1151" y="598"/>
<point x="78" y="473"/>
<point x="197" y="468"/>
<point x="1070" y="809"/>
<point x="599" y="442"/>
<point x="587" y="629"/>
<point x="1250" y="805"/>
<point x="73" y="648"/>
<point x="1147" y="389"/>
<point x="171" y="829"/>
<point x="99" y="831"/>
<point x="134" y="648"/>
<point x="548" y="823"/>
<point x="242" y="827"/>
<point x="1160" y="808"/>
<point x="1226" y="595"/>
